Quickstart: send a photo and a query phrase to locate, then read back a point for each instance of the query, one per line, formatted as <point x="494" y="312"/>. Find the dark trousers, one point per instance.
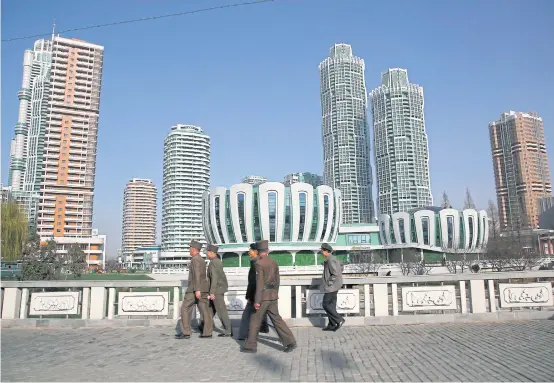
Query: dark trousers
<point x="189" y="301"/>
<point x="330" y="306"/>
<point x="272" y="310"/>
<point x="245" y="321"/>
<point x="218" y="306"/>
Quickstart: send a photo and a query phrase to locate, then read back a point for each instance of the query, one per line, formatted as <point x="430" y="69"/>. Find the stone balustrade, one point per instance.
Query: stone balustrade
<point x="364" y="301"/>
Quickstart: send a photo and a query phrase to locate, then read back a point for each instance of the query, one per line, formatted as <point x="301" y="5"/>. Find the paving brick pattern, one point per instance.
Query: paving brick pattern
<point x="515" y="351"/>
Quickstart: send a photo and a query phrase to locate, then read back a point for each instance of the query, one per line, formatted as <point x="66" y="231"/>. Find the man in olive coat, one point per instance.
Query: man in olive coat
<point x="331" y="284"/>
<point x="218" y="288"/>
<point x="266" y="301"/>
<point x="250" y="293"/>
<point x="196" y="294"/>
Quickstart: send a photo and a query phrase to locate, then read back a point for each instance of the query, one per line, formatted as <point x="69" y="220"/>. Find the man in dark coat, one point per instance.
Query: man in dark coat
<point x="331" y="284"/>
<point x="218" y="288"/>
<point x="196" y="294"/>
<point x="250" y="293"/>
<point x="266" y="301"/>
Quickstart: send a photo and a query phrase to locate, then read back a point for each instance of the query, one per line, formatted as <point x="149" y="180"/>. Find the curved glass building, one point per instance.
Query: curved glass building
<point x="295" y="217"/>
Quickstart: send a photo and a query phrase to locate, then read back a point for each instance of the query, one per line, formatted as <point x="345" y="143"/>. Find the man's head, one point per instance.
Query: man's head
<point x="253" y="251"/>
<point x="194" y="247"/>
<point x="212" y="251"/>
<point x="326" y="250"/>
<point x="263" y="248"/>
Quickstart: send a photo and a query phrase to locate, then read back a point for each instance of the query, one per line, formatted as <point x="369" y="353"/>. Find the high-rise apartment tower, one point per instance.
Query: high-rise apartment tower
<point x="345" y="134"/>
<point x="186" y="176"/>
<point x="53" y="154"/>
<point x="400" y="144"/>
<point x="520" y="167"/>
<point x="139" y="215"/>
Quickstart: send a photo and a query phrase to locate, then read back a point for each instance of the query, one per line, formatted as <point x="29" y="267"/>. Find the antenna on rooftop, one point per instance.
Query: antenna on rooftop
<point x="53" y="29"/>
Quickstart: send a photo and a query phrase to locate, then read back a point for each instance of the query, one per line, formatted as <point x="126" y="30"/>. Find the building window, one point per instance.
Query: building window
<point x="450" y="231"/>
<point x="228" y="222"/>
<point x="402" y="230"/>
<point x="242" y="225"/>
<point x="272" y="206"/>
<point x="302" y="198"/>
<point x="425" y="227"/>
<point x="325" y="216"/>
<point x="257" y="228"/>
<point x="288" y="218"/>
<point x="471" y="232"/>
<point x="217" y="218"/>
<point x="315" y="219"/>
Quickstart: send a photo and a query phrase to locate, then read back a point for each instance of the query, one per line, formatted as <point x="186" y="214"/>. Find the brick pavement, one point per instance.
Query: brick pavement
<point x="514" y="351"/>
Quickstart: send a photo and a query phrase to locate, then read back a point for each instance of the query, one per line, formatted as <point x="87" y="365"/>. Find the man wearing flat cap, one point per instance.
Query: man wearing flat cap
<point x="218" y="288"/>
<point x="266" y="301"/>
<point x="196" y="294"/>
<point x="250" y="292"/>
<point x="331" y="284"/>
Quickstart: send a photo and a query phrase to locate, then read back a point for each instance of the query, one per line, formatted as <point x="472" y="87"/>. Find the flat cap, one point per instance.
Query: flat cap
<point x="195" y="245"/>
<point x="262" y="245"/>
<point x="212" y="248"/>
<point x="253" y="246"/>
<point x="326" y="246"/>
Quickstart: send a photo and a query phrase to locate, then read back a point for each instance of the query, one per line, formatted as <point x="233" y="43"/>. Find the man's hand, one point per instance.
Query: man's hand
<point x="197" y="295"/>
<point x="212" y="297"/>
<point x="257" y="306"/>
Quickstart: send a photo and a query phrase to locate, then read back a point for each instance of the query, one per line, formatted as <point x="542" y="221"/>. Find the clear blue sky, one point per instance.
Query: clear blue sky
<point x="249" y="77"/>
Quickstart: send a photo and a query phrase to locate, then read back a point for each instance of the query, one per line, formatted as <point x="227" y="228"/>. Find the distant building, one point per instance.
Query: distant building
<point x="313" y="179"/>
<point x="346" y="158"/>
<point x="139" y="215"/>
<point x="94" y="247"/>
<point x="521" y="170"/>
<point x="400" y="144"/>
<point x="254" y="180"/>
<point x="186" y="176"/>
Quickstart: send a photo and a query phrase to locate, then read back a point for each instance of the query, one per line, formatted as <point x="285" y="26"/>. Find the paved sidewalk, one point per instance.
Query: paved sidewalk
<point x="515" y="351"/>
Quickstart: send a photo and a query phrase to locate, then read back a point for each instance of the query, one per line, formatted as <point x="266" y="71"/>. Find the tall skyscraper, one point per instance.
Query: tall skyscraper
<point x="186" y="176"/>
<point x="520" y="167"/>
<point x="401" y="147"/>
<point x="53" y="156"/>
<point x="345" y="135"/>
<point x="254" y="180"/>
<point x="313" y="179"/>
<point x="139" y="215"/>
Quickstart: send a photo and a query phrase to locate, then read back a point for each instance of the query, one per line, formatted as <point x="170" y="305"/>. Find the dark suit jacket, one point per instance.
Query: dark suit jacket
<point x="197" y="275"/>
<point x="217" y="277"/>
<point x="267" y="280"/>
<point x="251" y="288"/>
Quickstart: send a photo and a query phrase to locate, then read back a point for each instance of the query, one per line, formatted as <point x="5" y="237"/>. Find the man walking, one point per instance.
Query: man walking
<point x="331" y="284"/>
<point x="218" y="287"/>
<point x="250" y="293"/>
<point x="265" y="300"/>
<point x="196" y="294"/>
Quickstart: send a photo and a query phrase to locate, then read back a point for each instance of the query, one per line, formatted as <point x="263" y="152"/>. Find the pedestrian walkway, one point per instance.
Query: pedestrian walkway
<point x="514" y="351"/>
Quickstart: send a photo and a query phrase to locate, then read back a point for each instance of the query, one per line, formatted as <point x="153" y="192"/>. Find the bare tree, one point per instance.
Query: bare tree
<point x="366" y="262"/>
<point x="499" y="254"/>
<point x="40" y="262"/>
<point x="457" y="260"/>
<point x="76" y="261"/>
<point x="468" y="203"/>
<point x="494" y="221"/>
<point x="111" y="265"/>
<point x="411" y="263"/>
<point x="445" y="201"/>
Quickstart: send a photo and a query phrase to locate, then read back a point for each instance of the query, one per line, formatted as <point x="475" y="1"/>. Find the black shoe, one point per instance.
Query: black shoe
<point x="264" y="330"/>
<point x="205" y="336"/>
<point x="339" y="325"/>
<point x="241" y="338"/>
<point x="225" y="335"/>
<point x="248" y="350"/>
<point x="182" y="336"/>
<point x="329" y="328"/>
<point x="290" y="347"/>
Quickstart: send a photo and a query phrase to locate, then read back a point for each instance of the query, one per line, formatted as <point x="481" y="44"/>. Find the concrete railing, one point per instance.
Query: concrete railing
<point x="375" y="300"/>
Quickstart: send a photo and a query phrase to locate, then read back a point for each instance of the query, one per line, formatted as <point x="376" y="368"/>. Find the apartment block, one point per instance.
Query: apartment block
<point x="521" y="171"/>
